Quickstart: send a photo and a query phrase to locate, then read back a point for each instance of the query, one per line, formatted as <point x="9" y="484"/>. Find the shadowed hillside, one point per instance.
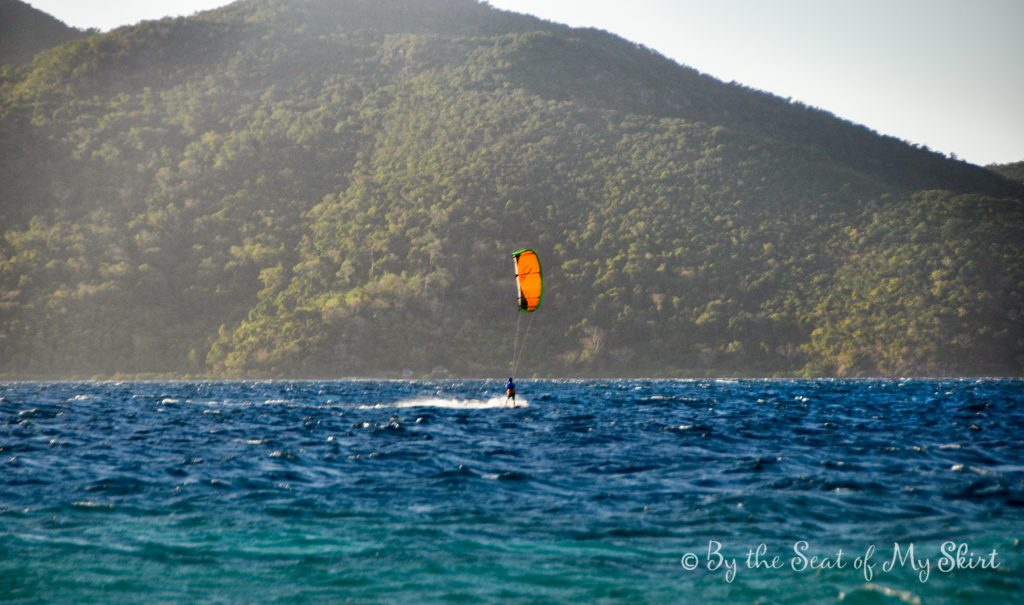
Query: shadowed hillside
<point x="25" y="31"/>
<point x="1013" y="171"/>
<point x="333" y="187"/>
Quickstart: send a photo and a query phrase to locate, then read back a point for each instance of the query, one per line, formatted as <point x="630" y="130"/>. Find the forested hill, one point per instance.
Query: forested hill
<point x="334" y="188"/>
<point x="25" y="31"/>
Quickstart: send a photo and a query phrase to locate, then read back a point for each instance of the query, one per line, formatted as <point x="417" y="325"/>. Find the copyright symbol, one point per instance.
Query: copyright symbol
<point x="689" y="561"/>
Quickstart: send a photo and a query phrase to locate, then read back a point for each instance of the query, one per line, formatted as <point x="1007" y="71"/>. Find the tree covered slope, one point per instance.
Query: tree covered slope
<point x="334" y="187"/>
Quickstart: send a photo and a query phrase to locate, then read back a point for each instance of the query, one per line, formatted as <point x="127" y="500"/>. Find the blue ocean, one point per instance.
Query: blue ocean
<point x="618" y="491"/>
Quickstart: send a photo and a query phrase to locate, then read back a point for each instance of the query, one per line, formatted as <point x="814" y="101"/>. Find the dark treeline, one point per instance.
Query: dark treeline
<point x="329" y="188"/>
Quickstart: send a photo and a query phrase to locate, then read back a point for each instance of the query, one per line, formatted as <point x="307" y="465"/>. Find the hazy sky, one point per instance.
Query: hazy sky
<point x="948" y="74"/>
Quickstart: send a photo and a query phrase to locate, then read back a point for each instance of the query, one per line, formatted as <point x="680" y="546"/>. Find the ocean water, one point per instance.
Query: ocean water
<point x="626" y="491"/>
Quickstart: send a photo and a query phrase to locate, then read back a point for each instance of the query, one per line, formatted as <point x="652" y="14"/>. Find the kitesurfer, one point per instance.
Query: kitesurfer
<point x="529" y="293"/>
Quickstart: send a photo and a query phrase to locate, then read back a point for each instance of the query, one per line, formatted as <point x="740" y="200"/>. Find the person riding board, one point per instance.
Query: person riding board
<point x="510" y="392"/>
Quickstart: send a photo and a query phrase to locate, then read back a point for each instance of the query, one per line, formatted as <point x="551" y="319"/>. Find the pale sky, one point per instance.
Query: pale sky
<point x="948" y="74"/>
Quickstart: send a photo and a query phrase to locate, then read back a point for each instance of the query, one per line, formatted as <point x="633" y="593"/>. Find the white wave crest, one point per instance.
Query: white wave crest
<point x="455" y="404"/>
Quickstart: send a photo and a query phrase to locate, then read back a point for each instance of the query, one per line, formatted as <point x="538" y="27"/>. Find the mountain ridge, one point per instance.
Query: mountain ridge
<point x="25" y="31"/>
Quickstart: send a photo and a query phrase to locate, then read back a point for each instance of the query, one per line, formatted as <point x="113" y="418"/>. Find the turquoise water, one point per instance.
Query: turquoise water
<point x="432" y="492"/>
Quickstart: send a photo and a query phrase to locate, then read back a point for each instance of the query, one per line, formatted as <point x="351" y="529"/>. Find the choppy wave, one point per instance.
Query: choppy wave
<point x="389" y="491"/>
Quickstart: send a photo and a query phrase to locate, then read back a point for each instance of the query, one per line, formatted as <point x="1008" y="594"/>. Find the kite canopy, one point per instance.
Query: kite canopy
<point x="529" y="280"/>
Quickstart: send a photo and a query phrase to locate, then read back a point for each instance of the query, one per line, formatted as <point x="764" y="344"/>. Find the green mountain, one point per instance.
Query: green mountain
<point x="25" y="31"/>
<point x="334" y="187"/>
